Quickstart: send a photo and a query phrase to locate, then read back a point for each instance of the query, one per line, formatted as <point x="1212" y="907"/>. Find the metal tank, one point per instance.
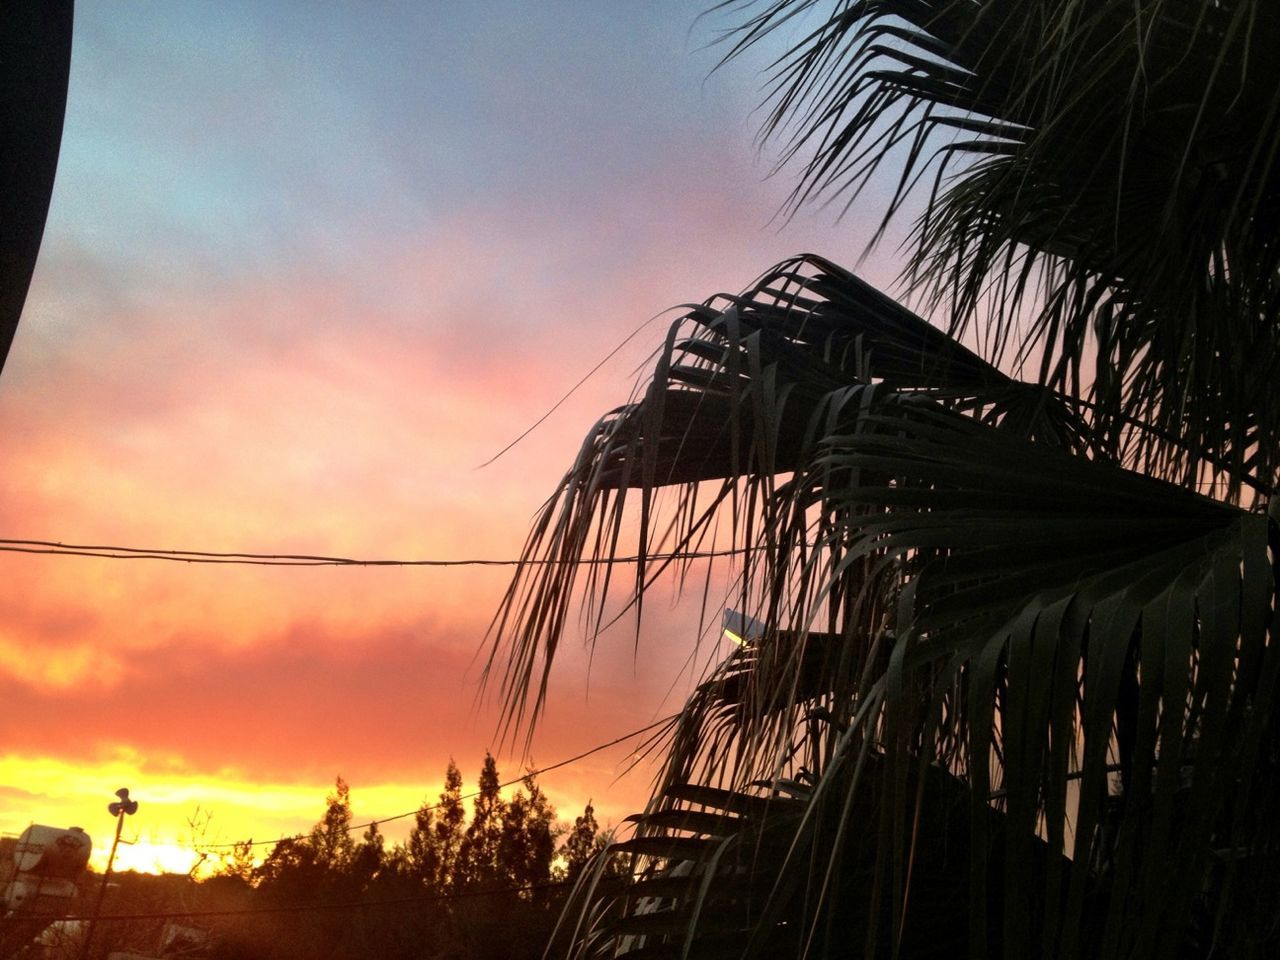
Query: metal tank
<point x="39" y="874"/>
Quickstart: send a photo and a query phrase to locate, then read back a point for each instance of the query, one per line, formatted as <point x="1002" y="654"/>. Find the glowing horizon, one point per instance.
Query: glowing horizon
<point x="184" y="818"/>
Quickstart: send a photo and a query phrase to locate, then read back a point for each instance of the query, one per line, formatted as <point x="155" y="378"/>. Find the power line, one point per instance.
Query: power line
<point x="304" y="907"/>
<point x="466" y="796"/>
<point x="574" y="389"/>
<point x="108" y="552"/>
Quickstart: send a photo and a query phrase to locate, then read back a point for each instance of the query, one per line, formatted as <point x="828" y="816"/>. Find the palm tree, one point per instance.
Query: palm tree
<point x="1011" y="688"/>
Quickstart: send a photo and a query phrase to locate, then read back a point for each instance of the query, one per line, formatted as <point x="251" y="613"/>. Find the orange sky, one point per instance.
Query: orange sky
<point x="303" y="272"/>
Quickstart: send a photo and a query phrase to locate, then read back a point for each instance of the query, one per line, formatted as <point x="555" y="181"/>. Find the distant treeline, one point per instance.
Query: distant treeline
<point x="487" y="885"/>
<point x="507" y="843"/>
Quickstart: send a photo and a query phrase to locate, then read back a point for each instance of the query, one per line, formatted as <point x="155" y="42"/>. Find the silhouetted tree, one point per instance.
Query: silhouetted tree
<point x="369" y="856"/>
<point x="447" y="832"/>
<point x="291" y="864"/>
<point x="527" y="843"/>
<point x="331" y="837"/>
<point x="506" y="844"/>
<point x="419" y="857"/>
<point x="239" y="862"/>
<point x="479" y="852"/>
<point x="583" y="841"/>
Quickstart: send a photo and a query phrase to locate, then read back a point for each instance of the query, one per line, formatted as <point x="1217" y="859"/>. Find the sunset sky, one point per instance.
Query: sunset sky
<point x="306" y="266"/>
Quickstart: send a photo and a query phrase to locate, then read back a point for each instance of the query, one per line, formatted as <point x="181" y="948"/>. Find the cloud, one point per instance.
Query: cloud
<point x="383" y="698"/>
<point x="256" y="734"/>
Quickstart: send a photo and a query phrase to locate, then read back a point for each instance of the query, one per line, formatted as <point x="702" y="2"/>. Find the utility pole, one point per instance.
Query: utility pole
<point x="120" y="809"/>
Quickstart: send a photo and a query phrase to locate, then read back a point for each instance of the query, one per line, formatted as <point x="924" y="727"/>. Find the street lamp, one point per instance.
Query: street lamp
<point x="119" y="809"/>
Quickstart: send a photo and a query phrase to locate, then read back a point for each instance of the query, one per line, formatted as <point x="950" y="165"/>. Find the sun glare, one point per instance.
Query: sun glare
<point x="147" y="856"/>
<point x="182" y="814"/>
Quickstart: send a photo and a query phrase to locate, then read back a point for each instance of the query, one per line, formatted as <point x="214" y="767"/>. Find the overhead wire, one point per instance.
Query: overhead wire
<point x="574" y="389"/>
<point x="466" y="796"/>
<point x="111" y="552"/>
<point x="51" y="547"/>
<point x="304" y="907"/>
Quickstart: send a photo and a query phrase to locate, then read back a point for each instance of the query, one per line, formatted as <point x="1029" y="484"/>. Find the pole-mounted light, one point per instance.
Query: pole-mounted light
<point x="124" y="807"/>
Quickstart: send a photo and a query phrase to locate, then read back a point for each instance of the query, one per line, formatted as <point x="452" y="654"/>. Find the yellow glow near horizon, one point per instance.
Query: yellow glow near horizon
<point x="146" y="856"/>
<point x="183" y="814"/>
<point x="180" y="813"/>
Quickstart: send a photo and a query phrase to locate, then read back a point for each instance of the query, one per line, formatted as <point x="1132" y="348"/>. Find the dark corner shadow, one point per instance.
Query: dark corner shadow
<point x="35" y="59"/>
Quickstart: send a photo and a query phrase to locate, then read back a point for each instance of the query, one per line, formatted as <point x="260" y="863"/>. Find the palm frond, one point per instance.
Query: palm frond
<point x="1110" y="169"/>
<point x="743" y="388"/>
<point x="1014" y="692"/>
<point x="1089" y="650"/>
<point x="1065" y="746"/>
<point x="1000" y="680"/>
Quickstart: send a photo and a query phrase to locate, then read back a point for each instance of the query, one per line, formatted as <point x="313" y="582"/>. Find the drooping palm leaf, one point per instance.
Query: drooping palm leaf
<point x="952" y="591"/>
<point x="1083" y="661"/>
<point x="745" y="386"/>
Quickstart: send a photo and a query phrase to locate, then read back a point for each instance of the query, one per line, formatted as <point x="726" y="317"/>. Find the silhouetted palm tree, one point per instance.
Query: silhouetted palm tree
<point x="1011" y="688"/>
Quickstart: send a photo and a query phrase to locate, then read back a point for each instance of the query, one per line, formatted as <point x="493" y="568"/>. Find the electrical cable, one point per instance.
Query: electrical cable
<point x="466" y="796"/>
<point x="303" y="907"/>
<point x="107" y="552"/>
<point x="574" y="389"/>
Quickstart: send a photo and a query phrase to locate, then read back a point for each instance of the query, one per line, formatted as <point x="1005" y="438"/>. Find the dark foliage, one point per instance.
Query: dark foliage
<point x="1013" y="686"/>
